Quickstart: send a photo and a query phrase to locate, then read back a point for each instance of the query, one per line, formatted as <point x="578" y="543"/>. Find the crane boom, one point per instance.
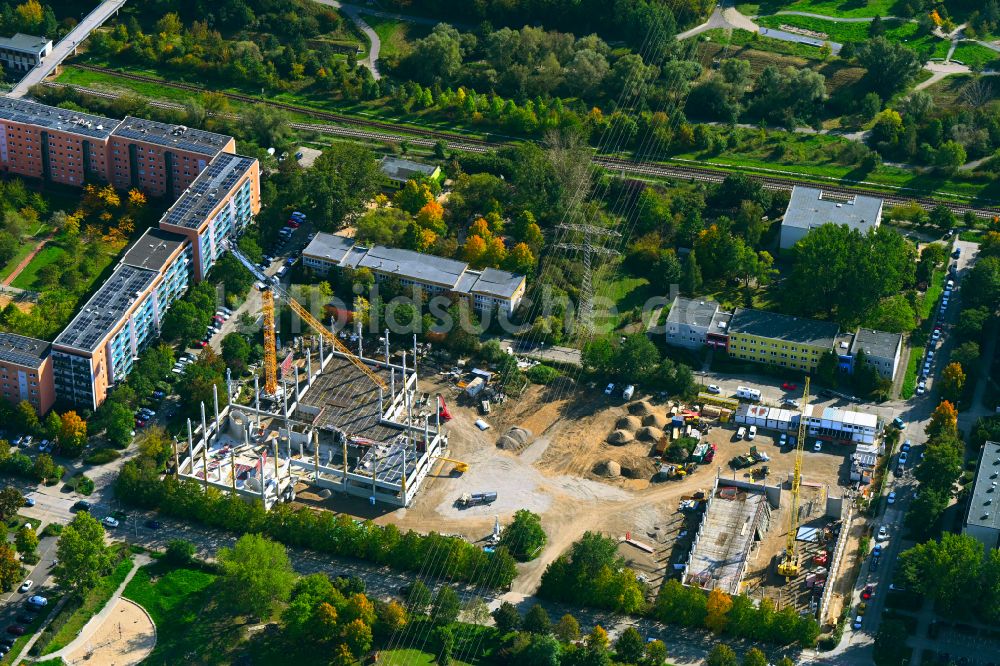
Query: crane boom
<point x="270" y="354"/>
<point x="789" y="566"/>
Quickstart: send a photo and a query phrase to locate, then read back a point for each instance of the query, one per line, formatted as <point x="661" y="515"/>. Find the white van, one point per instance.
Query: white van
<point x="741" y="433"/>
<point x="752" y="433"/>
<point x="747" y="393"/>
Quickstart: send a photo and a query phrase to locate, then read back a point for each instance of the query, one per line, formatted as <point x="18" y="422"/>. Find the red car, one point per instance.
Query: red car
<point x="293" y="224"/>
<point x="203" y="343"/>
<point x="17" y="630"/>
<point x="789" y="386"/>
<point x="868" y="593"/>
<point x="139" y="423"/>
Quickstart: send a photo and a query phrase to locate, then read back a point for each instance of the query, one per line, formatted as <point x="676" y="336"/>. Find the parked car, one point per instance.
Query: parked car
<point x="898" y="422"/>
<point x="782" y="440"/>
<point x="110" y="522"/>
<point x="17" y="630"/>
<point x="29" y="501"/>
<point x="788" y="386"/>
<point x="883" y="533"/>
<point x="789" y="402"/>
<point x="159" y="395"/>
<point x="877" y="550"/>
<point x="818" y="446"/>
<point x="903" y="455"/>
<point x="857" y="622"/>
<point x="936" y="334"/>
<point x="891" y="498"/>
<point x="922" y="387"/>
<point x="868" y="592"/>
<point x="26" y="585"/>
<point x="38" y="600"/>
<point x="712" y="388"/>
<point x="82" y="505"/>
<point x="609" y="389"/>
<point x="741" y="433"/>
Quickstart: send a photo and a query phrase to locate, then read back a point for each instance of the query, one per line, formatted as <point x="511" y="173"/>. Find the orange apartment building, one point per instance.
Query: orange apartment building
<point x="26" y="371"/>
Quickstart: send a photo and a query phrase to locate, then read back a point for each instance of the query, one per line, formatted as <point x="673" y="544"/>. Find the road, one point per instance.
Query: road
<point x="375" y="44"/>
<point x="67" y="45"/>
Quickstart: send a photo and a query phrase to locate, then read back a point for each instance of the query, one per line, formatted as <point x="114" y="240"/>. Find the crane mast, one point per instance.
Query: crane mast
<point x="268" y="294"/>
<point x="789" y="566"/>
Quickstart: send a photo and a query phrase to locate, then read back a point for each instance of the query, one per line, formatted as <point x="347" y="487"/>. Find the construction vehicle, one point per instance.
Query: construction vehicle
<point x="268" y="290"/>
<point x="460" y="467"/>
<point x="742" y="461"/>
<point x="789" y="566"/>
<point x="476" y="499"/>
<point x="760" y="472"/>
<point x="676" y="471"/>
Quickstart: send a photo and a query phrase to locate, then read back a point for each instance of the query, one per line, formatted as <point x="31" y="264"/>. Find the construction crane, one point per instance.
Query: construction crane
<point x="789" y="567"/>
<point x="268" y="292"/>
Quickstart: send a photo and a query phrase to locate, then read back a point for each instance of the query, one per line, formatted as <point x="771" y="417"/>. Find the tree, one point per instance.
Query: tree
<point x="183" y="321"/>
<point x="890" y="65"/>
<point x="236" y="352"/>
<point x="256" y="574"/>
<point x="179" y="552"/>
<point x="436" y="58"/>
<point x="341" y="182"/>
<point x="636" y="357"/>
<point x="524" y="537"/>
<point x="537" y="621"/>
<point x="952" y="382"/>
<point x="971" y="322"/>
<point x="413" y="196"/>
<point x="981" y="287"/>
<point x="82" y="554"/>
<point x="72" y="434"/>
<point x="446" y="606"/>
<point x="10" y="568"/>
<point x="691" y="280"/>
<point x="967" y="355"/>
<point x="26" y="417"/>
<point x="944" y="420"/>
<point x="718" y="606"/>
<point x="942" y="217"/>
<point x="721" y="655"/>
<point x="11" y="500"/>
<point x="925" y="510"/>
<point x="946" y="570"/>
<point x="656" y="653"/>
<point x="507" y="618"/>
<point x="754" y="657"/>
<point x="119" y="423"/>
<point x="629" y="646"/>
<point x="890" y="643"/>
<point x="45" y="468"/>
<point x="358" y="637"/>
<point x="950" y="155"/>
<point x="567" y="629"/>
<point x="26" y="540"/>
<point x="941" y="464"/>
<point x="419" y="598"/>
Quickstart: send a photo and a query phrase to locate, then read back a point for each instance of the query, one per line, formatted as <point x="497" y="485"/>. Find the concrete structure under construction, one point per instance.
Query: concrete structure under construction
<point x="737" y="516"/>
<point x="330" y="427"/>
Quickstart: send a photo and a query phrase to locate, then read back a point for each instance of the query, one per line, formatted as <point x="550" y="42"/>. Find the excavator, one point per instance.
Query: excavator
<point x="789" y="566"/>
<point x="268" y="291"/>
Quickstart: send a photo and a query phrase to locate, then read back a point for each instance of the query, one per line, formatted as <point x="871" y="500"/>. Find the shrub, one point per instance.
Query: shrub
<point x="102" y="456"/>
<point x="542" y="374"/>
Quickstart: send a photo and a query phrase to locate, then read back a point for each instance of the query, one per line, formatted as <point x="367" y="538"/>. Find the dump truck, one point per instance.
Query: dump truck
<point x="742" y="461"/>
<point x="476" y="499"/>
<point x="703" y="453"/>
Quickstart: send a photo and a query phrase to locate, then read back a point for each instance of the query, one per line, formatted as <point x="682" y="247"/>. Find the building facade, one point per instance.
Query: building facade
<point x="21" y="53"/>
<point x="489" y="289"/>
<point x="768" y="337"/>
<point x="982" y="520"/>
<point x="881" y="350"/>
<point x="26" y="371"/>
<point x="810" y="207"/>
<point x="690" y="321"/>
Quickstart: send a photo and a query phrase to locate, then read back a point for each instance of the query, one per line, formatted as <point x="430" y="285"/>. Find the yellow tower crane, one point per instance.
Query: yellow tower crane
<point x="789" y="566"/>
<point x="268" y="292"/>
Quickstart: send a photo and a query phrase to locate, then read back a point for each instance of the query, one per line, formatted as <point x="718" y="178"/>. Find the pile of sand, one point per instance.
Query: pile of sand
<point x="640" y="408"/>
<point x="609" y="469"/>
<point x="655" y="420"/>
<point x="637" y="468"/>
<point x="515" y="439"/>
<point x="630" y="423"/>
<point x="619" y="437"/>
<point x="650" y="434"/>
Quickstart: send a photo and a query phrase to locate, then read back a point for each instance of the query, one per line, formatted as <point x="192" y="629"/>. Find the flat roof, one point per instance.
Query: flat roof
<point x="692" y="312"/>
<point x="216" y="181"/>
<point x="180" y="137"/>
<point x="54" y="118"/>
<point x="494" y="282"/>
<point x="776" y="326"/>
<point x="99" y="317"/>
<point x="23" y="42"/>
<point x="423" y="267"/>
<point x="331" y="247"/>
<point x="810" y="207"/>
<point x="402" y="170"/>
<point x="22" y="350"/>
<point x="153" y="249"/>
<point x="984" y="504"/>
<point x="876" y="343"/>
<point x="845" y="416"/>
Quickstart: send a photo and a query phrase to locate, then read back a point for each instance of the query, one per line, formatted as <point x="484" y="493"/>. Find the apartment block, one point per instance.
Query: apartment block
<point x="768" y="337"/>
<point x="982" y="520"/>
<point x="26" y="371"/>
<point x="221" y="201"/>
<point x="489" y="289"/>
<point x="21" y="53"/>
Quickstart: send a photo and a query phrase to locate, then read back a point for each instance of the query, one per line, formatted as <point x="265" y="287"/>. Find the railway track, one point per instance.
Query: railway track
<point x="377" y="130"/>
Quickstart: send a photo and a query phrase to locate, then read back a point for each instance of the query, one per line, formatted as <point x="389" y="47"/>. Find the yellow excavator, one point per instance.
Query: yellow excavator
<point x="789" y="566"/>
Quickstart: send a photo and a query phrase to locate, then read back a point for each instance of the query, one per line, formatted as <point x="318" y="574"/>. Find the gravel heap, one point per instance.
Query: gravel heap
<point x="650" y="434"/>
<point x="609" y="469"/>
<point x="620" y="437"/>
<point x="640" y="408"/>
<point x="630" y="423"/>
<point x="515" y="439"/>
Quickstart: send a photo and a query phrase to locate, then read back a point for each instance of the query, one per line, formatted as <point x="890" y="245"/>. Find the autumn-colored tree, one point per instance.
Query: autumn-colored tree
<point x="520" y="259"/>
<point x="496" y="252"/>
<point x="136" y="199"/>
<point x="533" y="236"/>
<point x="326" y="619"/>
<point x="952" y="381"/>
<point x="358" y="607"/>
<point x="424" y="240"/>
<point x="30" y="13"/>
<point x="358" y="637"/>
<point x="126" y="226"/>
<point x="71" y="225"/>
<point x="10" y="568"/>
<point x="481" y="228"/>
<point x="393" y="616"/>
<point x="718" y="606"/>
<point x="109" y="197"/>
<point x="474" y="250"/>
<point x="413" y="196"/>
<point x="944" y="420"/>
<point x="431" y="216"/>
<point x="26" y="541"/>
<point x="597" y="639"/>
<point x="72" y="434"/>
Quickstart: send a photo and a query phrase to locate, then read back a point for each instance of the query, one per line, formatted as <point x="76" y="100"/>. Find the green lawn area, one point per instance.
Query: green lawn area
<point x="626" y="292"/>
<point x="191" y="626"/>
<point x="24" y="250"/>
<point x="396" y="36"/>
<point x="845" y="8"/>
<point x="896" y="30"/>
<point x="934" y="288"/>
<point x="29" y="276"/>
<point x="75" y="614"/>
<point x="411" y="657"/>
<point x="976" y="56"/>
<point x="741" y="38"/>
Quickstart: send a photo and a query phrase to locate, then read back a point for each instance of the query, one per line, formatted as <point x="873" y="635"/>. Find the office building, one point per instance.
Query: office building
<point x="398" y="170"/>
<point x="882" y="350"/>
<point x="21" y="53"/>
<point x="983" y="520"/>
<point x="489" y="289"/>
<point x="689" y="322"/>
<point x="810" y="207"/>
<point x="26" y="371"/>
<point x="769" y="337"/>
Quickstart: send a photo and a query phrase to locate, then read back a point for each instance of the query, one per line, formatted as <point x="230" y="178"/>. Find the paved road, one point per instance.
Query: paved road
<point x="834" y="19"/>
<point x="67" y="45"/>
<point x="353" y="12"/>
<point x="725" y="16"/>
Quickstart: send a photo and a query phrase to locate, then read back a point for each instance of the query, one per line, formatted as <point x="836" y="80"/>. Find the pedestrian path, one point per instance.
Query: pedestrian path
<point x="27" y="260"/>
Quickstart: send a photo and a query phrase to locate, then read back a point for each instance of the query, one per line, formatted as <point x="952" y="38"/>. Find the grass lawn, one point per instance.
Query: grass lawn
<point x="625" y="292"/>
<point x="845" y="8"/>
<point x="29" y="276"/>
<point x="396" y="36"/>
<point x="411" y="657"/>
<point x="75" y="614"/>
<point x="934" y="288"/>
<point x="191" y="626"/>
<point x="896" y="30"/>
<point x="976" y="56"/>
<point x="741" y="38"/>
<point x="23" y="250"/>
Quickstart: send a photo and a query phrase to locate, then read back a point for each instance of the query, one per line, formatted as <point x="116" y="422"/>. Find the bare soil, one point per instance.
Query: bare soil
<point x="127" y="636"/>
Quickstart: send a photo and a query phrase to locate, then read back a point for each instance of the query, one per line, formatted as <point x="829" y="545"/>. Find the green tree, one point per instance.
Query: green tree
<point x="948" y="570"/>
<point x="925" y="510"/>
<point x="950" y="155"/>
<point x="890" y="643"/>
<point x="507" y="618"/>
<point x="83" y="555"/>
<point x="341" y="182"/>
<point x="26" y="417"/>
<point x="45" y="467"/>
<point x="119" y="423"/>
<point x="629" y="646"/>
<point x="691" y="280"/>
<point x="419" y="598"/>
<point x="537" y="621"/>
<point x="256" y="574"/>
<point x="10" y="568"/>
<point x="179" y="552"/>
<point x="889" y="65"/>
<point x="971" y="322"/>
<point x="236" y="352"/>
<point x="11" y="500"/>
<point x="754" y="657"/>
<point x="183" y="321"/>
<point x="941" y="464"/>
<point x="524" y="537"/>
<point x="826" y="368"/>
<point x="636" y="358"/>
<point x="656" y="653"/>
<point x="26" y="540"/>
<point x="967" y="355"/>
<point x="981" y="287"/>
<point x="942" y="217"/>
<point x="567" y="629"/>
<point x="446" y="606"/>
<point x="721" y="655"/>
